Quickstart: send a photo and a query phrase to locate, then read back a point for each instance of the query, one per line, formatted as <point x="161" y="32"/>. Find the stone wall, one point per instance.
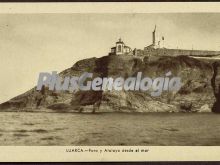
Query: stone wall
<point x="178" y="52"/>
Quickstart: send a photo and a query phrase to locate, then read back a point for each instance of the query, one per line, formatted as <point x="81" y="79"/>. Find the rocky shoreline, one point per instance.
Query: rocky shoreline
<point x="200" y="90"/>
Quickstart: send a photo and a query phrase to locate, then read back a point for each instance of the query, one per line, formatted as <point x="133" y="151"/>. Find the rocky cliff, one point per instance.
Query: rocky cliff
<point x="216" y="86"/>
<point x="199" y="80"/>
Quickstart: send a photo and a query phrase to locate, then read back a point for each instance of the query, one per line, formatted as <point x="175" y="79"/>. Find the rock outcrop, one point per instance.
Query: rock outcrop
<point x="216" y="86"/>
<point x="195" y="95"/>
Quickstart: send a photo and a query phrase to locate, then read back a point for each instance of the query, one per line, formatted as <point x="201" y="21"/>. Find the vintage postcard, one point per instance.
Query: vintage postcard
<point x="109" y="81"/>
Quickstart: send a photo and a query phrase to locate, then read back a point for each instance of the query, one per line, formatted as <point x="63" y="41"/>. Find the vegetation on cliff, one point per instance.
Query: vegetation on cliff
<point x="195" y="95"/>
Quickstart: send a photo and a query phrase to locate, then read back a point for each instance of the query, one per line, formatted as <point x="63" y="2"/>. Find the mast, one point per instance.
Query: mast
<point x="154" y="36"/>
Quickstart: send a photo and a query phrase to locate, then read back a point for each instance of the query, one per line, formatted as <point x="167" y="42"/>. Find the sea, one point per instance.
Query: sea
<point x="109" y="129"/>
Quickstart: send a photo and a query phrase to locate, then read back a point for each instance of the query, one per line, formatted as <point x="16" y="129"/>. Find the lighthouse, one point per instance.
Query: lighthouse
<point x="154" y="37"/>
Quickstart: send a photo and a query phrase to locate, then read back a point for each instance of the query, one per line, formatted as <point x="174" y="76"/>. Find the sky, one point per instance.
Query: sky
<point x="34" y="43"/>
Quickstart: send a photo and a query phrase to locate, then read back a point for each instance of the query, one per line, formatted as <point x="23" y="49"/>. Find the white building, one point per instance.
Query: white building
<point x="120" y="48"/>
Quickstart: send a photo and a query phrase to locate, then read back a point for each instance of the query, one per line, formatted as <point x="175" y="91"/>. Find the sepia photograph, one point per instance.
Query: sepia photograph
<point x="110" y="79"/>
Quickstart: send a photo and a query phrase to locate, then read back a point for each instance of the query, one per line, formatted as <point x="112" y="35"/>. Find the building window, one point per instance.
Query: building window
<point x="119" y="48"/>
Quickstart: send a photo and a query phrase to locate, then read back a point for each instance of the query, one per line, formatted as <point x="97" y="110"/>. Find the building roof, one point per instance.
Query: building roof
<point x="119" y="41"/>
<point x="127" y="47"/>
